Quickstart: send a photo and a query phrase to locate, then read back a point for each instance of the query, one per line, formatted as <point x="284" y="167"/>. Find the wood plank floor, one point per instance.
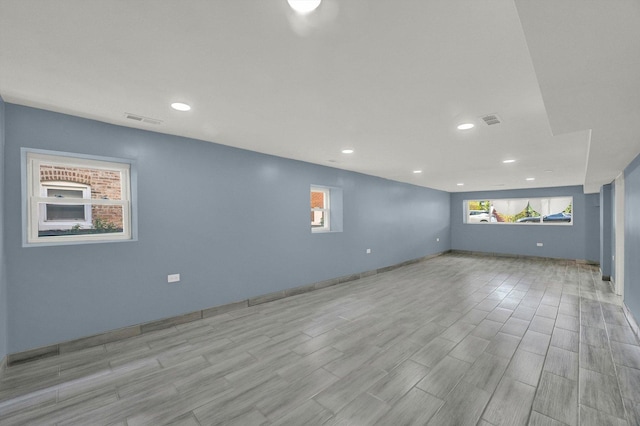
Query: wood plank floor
<point x="455" y="340"/>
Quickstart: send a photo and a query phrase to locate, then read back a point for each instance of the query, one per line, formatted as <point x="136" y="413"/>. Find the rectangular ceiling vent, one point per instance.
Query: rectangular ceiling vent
<point x="142" y="119"/>
<point x="491" y="119"/>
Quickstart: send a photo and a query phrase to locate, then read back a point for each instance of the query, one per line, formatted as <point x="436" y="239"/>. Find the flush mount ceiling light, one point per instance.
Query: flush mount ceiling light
<point x="417" y="172"/>
<point x="508" y="161"/>
<point x="531" y="178"/>
<point x="466" y="126"/>
<point x="347" y="151"/>
<point x="460" y="184"/>
<point x="304" y="6"/>
<point x="179" y="106"/>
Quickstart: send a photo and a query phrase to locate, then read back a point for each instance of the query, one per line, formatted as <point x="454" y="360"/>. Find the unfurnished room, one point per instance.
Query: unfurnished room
<point x="319" y="212"/>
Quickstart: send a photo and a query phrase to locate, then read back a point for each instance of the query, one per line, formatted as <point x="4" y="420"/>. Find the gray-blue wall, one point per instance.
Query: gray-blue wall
<point x="233" y="223"/>
<point x="3" y="282"/>
<point x="580" y="241"/>
<point x="632" y="237"/>
<point x="606" y="225"/>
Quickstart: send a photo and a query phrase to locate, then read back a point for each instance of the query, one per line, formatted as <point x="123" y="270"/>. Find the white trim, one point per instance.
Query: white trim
<point x="61" y="159"/>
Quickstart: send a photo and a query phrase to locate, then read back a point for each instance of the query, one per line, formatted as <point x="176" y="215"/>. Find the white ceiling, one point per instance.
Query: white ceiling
<point x="389" y="78"/>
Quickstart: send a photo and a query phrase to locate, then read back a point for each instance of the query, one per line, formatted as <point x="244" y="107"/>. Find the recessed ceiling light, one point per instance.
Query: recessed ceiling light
<point x="508" y="161"/>
<point x="548" y="171"/>
<point x="179" y="106"/>
<point x="304" y="6"/>
<point x="347" y="151"/>
<point x="466" y="126"/>
<point x="417" y="172"/>
<point x="460" y="184"/>
<point x="531" y="178"/>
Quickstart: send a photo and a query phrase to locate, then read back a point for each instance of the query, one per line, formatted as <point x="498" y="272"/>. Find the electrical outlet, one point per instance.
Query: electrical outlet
<point x="368" y="251"/>
<point x="173" y="278"/>
<point x="539" y="244"/>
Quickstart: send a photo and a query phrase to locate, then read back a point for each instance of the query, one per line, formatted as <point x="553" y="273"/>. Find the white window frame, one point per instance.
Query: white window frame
<point x="36" y="197"/>
<point x="46" y="224"/>
<point x="326" y="226"/>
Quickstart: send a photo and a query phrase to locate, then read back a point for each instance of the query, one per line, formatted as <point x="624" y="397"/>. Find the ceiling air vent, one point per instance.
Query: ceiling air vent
<point x="142" y="119"/>
<point x="491" y="119"/>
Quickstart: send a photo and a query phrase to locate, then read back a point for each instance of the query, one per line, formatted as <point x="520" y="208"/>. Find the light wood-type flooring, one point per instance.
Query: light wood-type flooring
<point x="455" y="340"/>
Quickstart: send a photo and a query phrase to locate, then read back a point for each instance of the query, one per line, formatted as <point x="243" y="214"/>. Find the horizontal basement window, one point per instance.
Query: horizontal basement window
<point x="521" y="211"/>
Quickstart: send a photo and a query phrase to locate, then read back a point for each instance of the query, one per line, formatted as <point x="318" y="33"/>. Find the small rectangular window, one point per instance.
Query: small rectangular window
<point x="320" y="209"/>
<point x="73" y="199"/>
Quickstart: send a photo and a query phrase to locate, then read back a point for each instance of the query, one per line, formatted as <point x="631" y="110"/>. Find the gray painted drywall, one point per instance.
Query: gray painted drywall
<point x="606" y="223"/>
<point x="632" y="237"/>
<point x="233" y="223"/>
<point x="3" y="282"/>
<point x="579" y="241"/>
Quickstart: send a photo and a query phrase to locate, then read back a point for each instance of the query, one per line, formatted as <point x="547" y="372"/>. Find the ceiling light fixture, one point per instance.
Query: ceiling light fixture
<point x="531" y="178"/>
<point x="347" y="151"/>
<point x="508" y="161"/>
<point x="460" y="184"/>
<point x="179" y="106"/>
<point x="417" y="172"/>
<point x="466" y="126"/>
<point x="304" y="6"/>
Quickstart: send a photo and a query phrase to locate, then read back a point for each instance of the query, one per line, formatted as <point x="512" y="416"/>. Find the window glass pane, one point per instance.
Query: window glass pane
<point x="65" y="219"/>
<point x="64" y="212"/>
<point x="318" y="219"/>
<point x="317" y="200"/>
<point x="107" y="218"/>
<point x="104" y="183"/>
